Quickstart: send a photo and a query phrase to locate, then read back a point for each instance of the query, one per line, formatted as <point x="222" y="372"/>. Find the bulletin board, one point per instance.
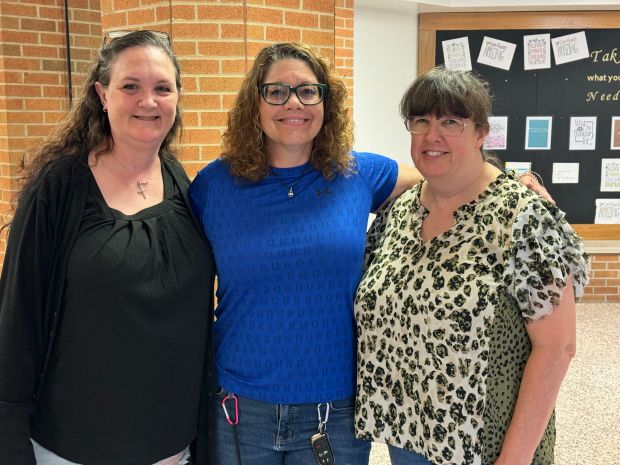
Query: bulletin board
<point x="562" y="94"/>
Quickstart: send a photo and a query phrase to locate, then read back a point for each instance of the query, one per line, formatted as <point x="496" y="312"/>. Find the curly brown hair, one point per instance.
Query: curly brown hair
<point x="87" y="126"/>
<point x="242" y="142"/>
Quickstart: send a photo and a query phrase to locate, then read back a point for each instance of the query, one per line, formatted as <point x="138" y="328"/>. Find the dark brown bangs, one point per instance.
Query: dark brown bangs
<point x="431" y="98"/>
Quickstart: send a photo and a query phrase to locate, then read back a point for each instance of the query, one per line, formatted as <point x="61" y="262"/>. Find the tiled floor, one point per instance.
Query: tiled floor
<point x="588" y="408"/>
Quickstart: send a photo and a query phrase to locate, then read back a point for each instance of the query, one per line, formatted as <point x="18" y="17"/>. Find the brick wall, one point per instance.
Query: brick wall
<point x="604" y="279"/>
<point x="33" y="77"/>
<point x="214" y="40"/>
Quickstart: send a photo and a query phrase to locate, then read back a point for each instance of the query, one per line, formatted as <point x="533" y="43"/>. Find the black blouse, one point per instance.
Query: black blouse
<point x="124" y="380"/>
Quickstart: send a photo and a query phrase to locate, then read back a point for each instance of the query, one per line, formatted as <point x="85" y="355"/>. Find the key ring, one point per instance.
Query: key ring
<point x="232" y="397"/>
<point x="322" y="422"/>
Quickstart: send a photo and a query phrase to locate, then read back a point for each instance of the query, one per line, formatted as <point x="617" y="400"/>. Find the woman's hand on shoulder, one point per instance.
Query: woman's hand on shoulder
<point x="530" y="180"/>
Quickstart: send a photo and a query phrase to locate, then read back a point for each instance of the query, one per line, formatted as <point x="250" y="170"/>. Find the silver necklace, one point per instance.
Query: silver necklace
<point x="292" y="185"/>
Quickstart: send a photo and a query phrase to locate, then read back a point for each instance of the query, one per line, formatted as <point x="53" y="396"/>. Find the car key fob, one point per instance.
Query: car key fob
<point x="322" y="449"/>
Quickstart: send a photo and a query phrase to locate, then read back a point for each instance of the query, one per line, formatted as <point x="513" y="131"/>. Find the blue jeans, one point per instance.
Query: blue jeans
<point x="400" y="456"/>
<point x="279" y="434"/>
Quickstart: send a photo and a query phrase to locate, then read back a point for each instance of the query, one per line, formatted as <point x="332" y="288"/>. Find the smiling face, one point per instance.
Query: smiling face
<point x="141" y="98"/>
<point x="447" y="157"/>
<point x="290" y="129"/>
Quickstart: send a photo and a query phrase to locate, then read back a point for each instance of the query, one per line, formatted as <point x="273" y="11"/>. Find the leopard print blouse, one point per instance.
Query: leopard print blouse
<point x="441" y="324"/>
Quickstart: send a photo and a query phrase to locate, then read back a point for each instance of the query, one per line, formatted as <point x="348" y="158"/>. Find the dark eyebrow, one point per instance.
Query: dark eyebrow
<point x="135" y="79"/>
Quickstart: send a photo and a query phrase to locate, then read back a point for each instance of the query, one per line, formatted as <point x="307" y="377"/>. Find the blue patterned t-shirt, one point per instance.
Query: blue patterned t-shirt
<point x="287" y="269"/>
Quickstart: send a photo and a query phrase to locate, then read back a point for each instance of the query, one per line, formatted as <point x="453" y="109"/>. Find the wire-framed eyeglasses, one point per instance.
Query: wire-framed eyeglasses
<point x="447" y="126"/>
<point x="111" y="35"/>
<point x="276" y="93"/>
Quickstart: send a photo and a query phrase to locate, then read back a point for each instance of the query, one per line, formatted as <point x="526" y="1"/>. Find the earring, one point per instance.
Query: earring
<point x="105" y="108"/>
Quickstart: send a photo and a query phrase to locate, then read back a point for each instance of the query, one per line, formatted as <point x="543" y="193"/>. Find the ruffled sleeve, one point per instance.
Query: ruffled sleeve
<point x="545" y="251"/>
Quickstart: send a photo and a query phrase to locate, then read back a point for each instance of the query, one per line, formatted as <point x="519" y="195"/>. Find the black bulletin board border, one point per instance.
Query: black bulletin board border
<point x="430" y="24"/>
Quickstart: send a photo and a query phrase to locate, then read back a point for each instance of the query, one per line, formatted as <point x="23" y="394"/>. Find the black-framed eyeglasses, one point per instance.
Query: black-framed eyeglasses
<point x="447" y="126"/>
<point x="276" y="93"/>
<point x="111" y="35"/>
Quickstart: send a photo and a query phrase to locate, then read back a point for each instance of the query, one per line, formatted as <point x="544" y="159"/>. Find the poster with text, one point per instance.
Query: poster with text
<point x="456" y="54"/>
<point x="497" y="138"/>
<point x="519" y="167"/>
<point x="537" y="51"/>
<point x="582" y="133"/>
<point x="610" y="175"/>
<point x="615" y="133"/>
<point x="607" y="211"/>
<point x="496" y="53"/>
<point x="565" y="173"/>
<point x="538" y="133"/>
<point x="571" y="47"/>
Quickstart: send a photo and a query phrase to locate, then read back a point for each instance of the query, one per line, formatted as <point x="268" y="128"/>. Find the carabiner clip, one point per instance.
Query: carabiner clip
<point x="230" y="396"/>
<point x="322" y="421"/>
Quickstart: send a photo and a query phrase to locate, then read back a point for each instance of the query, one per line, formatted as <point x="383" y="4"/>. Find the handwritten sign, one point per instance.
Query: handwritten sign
<point x="456" y="54"/>
<point x="537" y="51"/>
<point x="610" y="175"/>
<point x="607" y="211"/>
<point x="582" y="133"/>
<point x="571" y="47"/>
<point x="496" y="53"/>
<point x="497" y="137"/>
<point x="565" y="173"/>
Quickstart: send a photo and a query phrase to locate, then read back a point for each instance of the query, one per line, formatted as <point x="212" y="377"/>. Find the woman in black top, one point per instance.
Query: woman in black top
<point x="105" y="317"/>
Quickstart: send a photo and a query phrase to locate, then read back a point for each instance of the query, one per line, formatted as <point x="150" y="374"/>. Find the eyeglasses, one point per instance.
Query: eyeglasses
<point x="111" y="35"/>
<point x="447" y="126"/>
<point x="275" y="93"/>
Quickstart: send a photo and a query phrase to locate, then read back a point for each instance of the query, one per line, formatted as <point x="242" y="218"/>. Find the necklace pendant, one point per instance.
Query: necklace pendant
<point x="291" y="194"/>
<point x="141" y="189"/>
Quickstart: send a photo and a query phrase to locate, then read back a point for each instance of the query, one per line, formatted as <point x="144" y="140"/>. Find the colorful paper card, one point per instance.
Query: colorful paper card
<point x="610" y="175"/>
<point x="615" y="133"/>
<point x="538" y="133"/>
<point x="537" y="51"/>
<point x="497" y="138"/>
<point x="456" y="54"/>
<point x="519" y="167"/>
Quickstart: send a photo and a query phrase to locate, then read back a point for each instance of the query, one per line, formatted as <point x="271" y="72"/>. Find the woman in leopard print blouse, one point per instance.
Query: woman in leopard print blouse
<point x="466" y="312"/>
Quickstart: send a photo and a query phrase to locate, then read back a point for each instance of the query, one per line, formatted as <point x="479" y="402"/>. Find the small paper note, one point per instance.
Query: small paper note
<point x="538" y="133"/>
<point x="571" y="47"/>
<point x="537" y="51"/>
<point x="456" y="54"/>
<point x="607" y="211"/>
<point x="582" y="133"/>
<point x="497" y="138"/>
<point x="519" y="167"/>
<point x="610" y="175"/>
<point x="565" y="173"/>
<point x="496" y="53"/>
